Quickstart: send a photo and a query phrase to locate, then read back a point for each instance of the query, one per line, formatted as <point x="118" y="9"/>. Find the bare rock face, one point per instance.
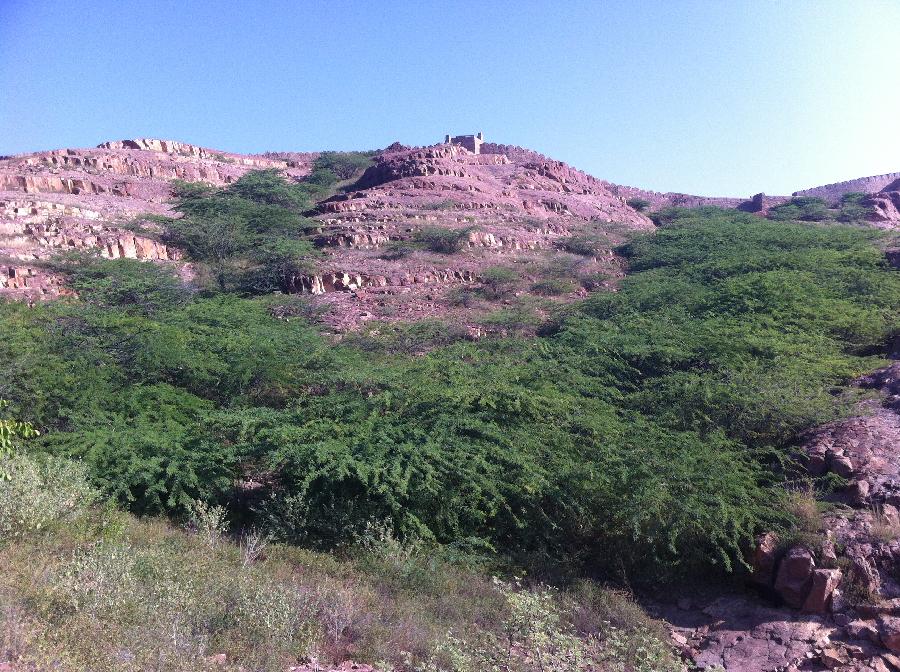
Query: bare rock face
<point x="73" y="199"/>
<point x="885" y="208"/>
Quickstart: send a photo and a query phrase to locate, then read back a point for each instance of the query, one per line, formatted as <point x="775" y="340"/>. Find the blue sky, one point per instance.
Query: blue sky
<point x="719" y="98"/>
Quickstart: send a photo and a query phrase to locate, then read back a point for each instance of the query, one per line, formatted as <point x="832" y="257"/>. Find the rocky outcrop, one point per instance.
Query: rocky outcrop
<point x="32" y="210"/>
<point x="347" y="282"/>
<point x="884" y="208"/>
<point x="78" y="198"/>
<point x="453" y="178"/>
<point x="840" y="595"/>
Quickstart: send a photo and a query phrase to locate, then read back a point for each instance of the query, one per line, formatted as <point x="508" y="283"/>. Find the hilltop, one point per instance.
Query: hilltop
<point x="411" y="236"/>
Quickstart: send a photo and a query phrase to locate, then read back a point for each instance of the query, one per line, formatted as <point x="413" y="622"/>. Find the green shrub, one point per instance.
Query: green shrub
<point x="804" y="208"/>
<point x="593" y="281"/>
<point x="639" y="204"/>
<point x="251" y="235"/>
<point x="584" y="245"/>
<point x="443" y="240"/>
<point x="498" y="281"/>
<point x="647" y="429"/>
<point x="408" y="338"/>
<point x="446" y="204"/>
<point x="521" y="318"/>
<point x="343" y="165"/>
<point x="40" y="492"/>
<point x="269" y="187"/>
<point x="397" y="249"/>
<point x="461" y="296"/>
<point x="852" y="210"/>
<point x="552" y="287"/>
<point x="276" y="266"/>
<point x="183" y="190"/>
<point x="127" y="285"/>
<point x="12" y="433"/>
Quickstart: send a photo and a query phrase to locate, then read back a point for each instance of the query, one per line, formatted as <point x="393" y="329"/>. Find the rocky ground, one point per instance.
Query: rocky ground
<point x="831" y="600"/>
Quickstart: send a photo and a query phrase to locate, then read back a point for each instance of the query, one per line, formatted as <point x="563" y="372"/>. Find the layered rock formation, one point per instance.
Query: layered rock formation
<point x="509" y="205"/>
<point x="72" y="199"/>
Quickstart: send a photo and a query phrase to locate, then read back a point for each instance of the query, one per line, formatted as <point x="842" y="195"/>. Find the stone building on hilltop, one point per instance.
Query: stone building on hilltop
<point x="471" y="142"/>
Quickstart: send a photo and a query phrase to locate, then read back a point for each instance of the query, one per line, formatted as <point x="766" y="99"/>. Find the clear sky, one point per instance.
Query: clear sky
<point x="720" y="97"/>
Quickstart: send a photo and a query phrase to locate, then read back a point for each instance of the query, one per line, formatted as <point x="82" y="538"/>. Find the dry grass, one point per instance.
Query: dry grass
<point x="101" y="591"/>
<point x="806" y="511"/>
<point x="885" y="528"/>
<point x="804" y="507"/>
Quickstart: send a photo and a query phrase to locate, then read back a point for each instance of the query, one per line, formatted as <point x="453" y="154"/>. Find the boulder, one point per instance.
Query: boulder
<point x="764" y="558"/>
<point x="842" y="466"/>
<point x="858" y="492"/>
<point x="795" y="576"/>
<point x="889" y="632"/>
<point x="833" y="658"/>
<point x="866" y="630"/>
<point x="824" y="581"/>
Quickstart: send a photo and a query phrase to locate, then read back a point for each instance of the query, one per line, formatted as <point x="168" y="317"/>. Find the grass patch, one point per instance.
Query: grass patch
<point x="84" y="594"/>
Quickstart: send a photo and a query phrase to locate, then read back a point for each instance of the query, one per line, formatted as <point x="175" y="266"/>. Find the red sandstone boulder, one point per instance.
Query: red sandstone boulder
<point x="764" y="559"/>
<point x="889" y="632"/>
<point x="795" y="576"/>
<point x="824" y="581"/>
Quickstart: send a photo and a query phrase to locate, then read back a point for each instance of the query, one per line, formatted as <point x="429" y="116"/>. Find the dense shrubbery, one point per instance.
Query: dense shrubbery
<point x="250" y="236"/>
<point x="639" y="204"/>
<point x="852" y="210"/>
<point x="643" y="434"/>
<point x="340" y="165"/>
<point x="813" y="209"/>
<point x="441" y="239"/>
<point x="498" y="281"/>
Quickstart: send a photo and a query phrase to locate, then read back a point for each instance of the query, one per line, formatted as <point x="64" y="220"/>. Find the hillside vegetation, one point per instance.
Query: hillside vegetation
<point x="331" y="500"/>
<point x="643" y="435"/>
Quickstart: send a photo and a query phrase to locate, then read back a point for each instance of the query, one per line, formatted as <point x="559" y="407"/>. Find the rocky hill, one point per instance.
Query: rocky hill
<point x="511" y="208"/>
<point x="73" y="199"/>
<point x="504" y="207"/>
